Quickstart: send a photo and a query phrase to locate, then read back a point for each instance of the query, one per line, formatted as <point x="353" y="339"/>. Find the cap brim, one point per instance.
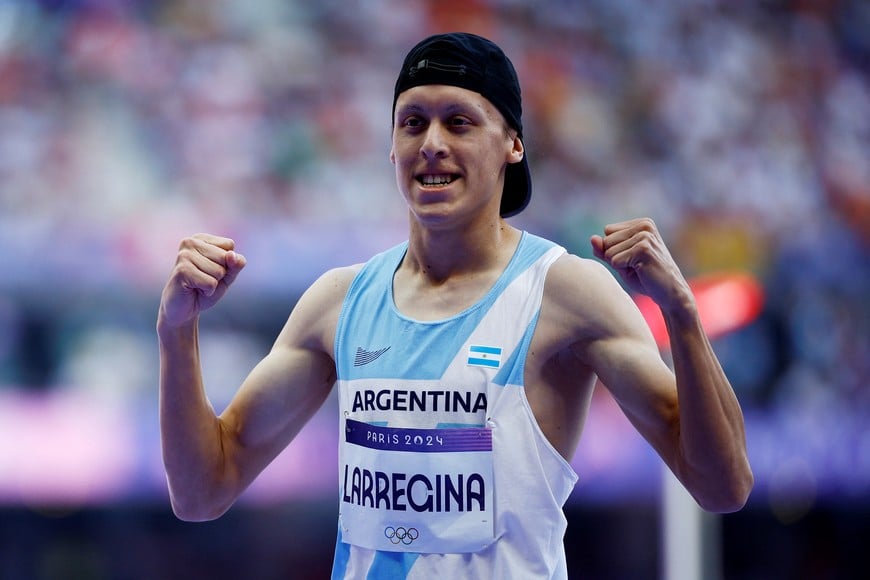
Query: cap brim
<point x="517" y="188"/>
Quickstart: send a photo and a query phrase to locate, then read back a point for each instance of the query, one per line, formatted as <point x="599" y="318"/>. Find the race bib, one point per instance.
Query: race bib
<point x="417" y="490"/>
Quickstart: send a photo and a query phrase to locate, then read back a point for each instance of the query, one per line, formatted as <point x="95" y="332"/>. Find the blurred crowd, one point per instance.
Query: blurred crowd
<point x="742" y="127"/>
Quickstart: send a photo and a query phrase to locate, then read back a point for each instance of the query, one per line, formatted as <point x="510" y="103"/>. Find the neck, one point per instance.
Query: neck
<point x="439" y="255"/>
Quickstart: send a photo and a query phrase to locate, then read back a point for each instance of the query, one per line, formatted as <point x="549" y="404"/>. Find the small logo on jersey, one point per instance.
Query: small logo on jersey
<point x="364" y="357"/>
<point x="484" y="356"/>
<point x="401" y="535"/>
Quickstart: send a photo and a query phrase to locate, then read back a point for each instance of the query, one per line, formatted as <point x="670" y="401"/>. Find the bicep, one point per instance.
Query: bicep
<point x="644" y="387"/>
<point x="613" y="339"/>
<point x="287" y="387"/>
<point x="279" y="396"/>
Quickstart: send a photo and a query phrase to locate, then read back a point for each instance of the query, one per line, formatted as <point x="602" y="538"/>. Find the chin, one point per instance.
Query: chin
<point x="433" y="215"/>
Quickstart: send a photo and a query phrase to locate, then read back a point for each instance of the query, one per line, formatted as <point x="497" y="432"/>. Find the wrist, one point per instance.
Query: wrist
<point x="167" y="332"/>
<point x="681" y="309"/>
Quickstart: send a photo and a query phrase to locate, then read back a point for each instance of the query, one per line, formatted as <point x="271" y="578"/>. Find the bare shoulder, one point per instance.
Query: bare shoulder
<point x="333" y="284"/>
<point x="313" y="320"/>
<point x="571" y="272"/>
<point x="586" y="299"/>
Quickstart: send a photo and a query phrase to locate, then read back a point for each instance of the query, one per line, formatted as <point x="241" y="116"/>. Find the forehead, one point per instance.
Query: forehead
<point x="441" y="97"/>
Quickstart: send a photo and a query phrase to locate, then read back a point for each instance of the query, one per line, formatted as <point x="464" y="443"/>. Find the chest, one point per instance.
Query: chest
<point x="423" y="300"/>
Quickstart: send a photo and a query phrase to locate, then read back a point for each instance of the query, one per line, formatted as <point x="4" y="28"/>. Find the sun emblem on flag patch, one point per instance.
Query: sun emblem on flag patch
<point x="484" y="356"/>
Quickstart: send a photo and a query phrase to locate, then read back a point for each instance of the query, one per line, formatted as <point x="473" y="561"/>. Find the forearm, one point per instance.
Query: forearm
<point x="712" y="442"/>
<point x="191" y="438"/>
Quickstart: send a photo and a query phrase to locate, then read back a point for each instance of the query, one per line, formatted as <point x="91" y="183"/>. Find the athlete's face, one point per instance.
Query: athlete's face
<point x="450" y="148"/>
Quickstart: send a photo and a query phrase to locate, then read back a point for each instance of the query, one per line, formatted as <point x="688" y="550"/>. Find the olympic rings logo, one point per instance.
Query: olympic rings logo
<point x="401" y="535"/>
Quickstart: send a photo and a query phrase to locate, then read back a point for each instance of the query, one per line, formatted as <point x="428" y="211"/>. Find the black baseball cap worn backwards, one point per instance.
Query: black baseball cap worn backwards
<point x="474" y="63"/>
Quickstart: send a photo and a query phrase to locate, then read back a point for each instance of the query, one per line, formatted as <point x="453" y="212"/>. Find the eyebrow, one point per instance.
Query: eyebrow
<point x="450" y="109"/>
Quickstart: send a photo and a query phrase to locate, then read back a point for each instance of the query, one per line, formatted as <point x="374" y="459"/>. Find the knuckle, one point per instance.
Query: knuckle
<point x="183" y="271"/>
<point x="185" y="255"/>
<point x="211" y="284"/>
<point x="646" y="244"/>
<point x="188" y="243"/>
<point x="649" y="225"/>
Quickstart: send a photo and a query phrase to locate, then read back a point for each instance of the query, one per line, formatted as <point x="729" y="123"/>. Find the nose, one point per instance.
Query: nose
<point x="434" y="144"/>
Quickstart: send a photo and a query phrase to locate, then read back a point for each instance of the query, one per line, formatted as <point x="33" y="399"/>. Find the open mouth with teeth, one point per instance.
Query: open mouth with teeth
<point x="437" y="180"/>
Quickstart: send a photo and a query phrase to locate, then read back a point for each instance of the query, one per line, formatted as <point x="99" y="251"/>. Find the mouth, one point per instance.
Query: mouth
<point x="437" y="180"/>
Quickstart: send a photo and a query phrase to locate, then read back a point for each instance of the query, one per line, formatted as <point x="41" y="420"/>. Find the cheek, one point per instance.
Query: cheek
<point x="401" y="155"/>
<point x="396" y="150"/>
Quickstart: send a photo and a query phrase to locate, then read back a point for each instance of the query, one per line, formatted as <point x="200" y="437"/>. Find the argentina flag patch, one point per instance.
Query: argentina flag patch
<point x="484" y="356"/>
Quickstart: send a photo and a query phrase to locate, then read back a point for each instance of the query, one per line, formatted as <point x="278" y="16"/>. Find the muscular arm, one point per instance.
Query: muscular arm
<point x="712" y="459"/>
<point x="210" y="459"/>
<point x="691" y="416"/>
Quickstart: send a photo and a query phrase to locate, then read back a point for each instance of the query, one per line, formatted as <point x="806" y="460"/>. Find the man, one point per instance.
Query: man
<point x="465" y="358"/>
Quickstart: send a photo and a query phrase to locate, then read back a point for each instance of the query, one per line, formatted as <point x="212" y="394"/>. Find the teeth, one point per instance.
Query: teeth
<point x="436" y="179"/>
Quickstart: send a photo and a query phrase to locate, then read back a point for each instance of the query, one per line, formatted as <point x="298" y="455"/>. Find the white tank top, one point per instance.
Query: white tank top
<point x="443" y="471"/>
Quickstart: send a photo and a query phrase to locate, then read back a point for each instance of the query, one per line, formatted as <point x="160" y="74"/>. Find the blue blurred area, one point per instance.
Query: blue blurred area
<point x="742" y="128"/>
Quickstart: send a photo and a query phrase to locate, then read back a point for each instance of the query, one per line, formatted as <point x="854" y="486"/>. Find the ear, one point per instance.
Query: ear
<point x="517" y="151"/>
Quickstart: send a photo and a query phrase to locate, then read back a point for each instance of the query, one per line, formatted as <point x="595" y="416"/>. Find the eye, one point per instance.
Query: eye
<point x="459" y="121"/>
<point x="412" y="122"/>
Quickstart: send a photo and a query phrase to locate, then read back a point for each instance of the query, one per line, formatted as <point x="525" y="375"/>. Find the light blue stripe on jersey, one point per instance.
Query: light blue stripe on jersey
<point x="375" y="324"/>
<point x="512" y="371"/>
<point x="385" y="565"/>
<point x="339" y="561"/>
<point x="431" y="351"/>
<point x="391" y="565"/>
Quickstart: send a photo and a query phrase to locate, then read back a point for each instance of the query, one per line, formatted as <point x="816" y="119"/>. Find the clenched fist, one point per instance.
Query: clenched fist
<point x="635" y="249"/>
<point x="205" y="267"/>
